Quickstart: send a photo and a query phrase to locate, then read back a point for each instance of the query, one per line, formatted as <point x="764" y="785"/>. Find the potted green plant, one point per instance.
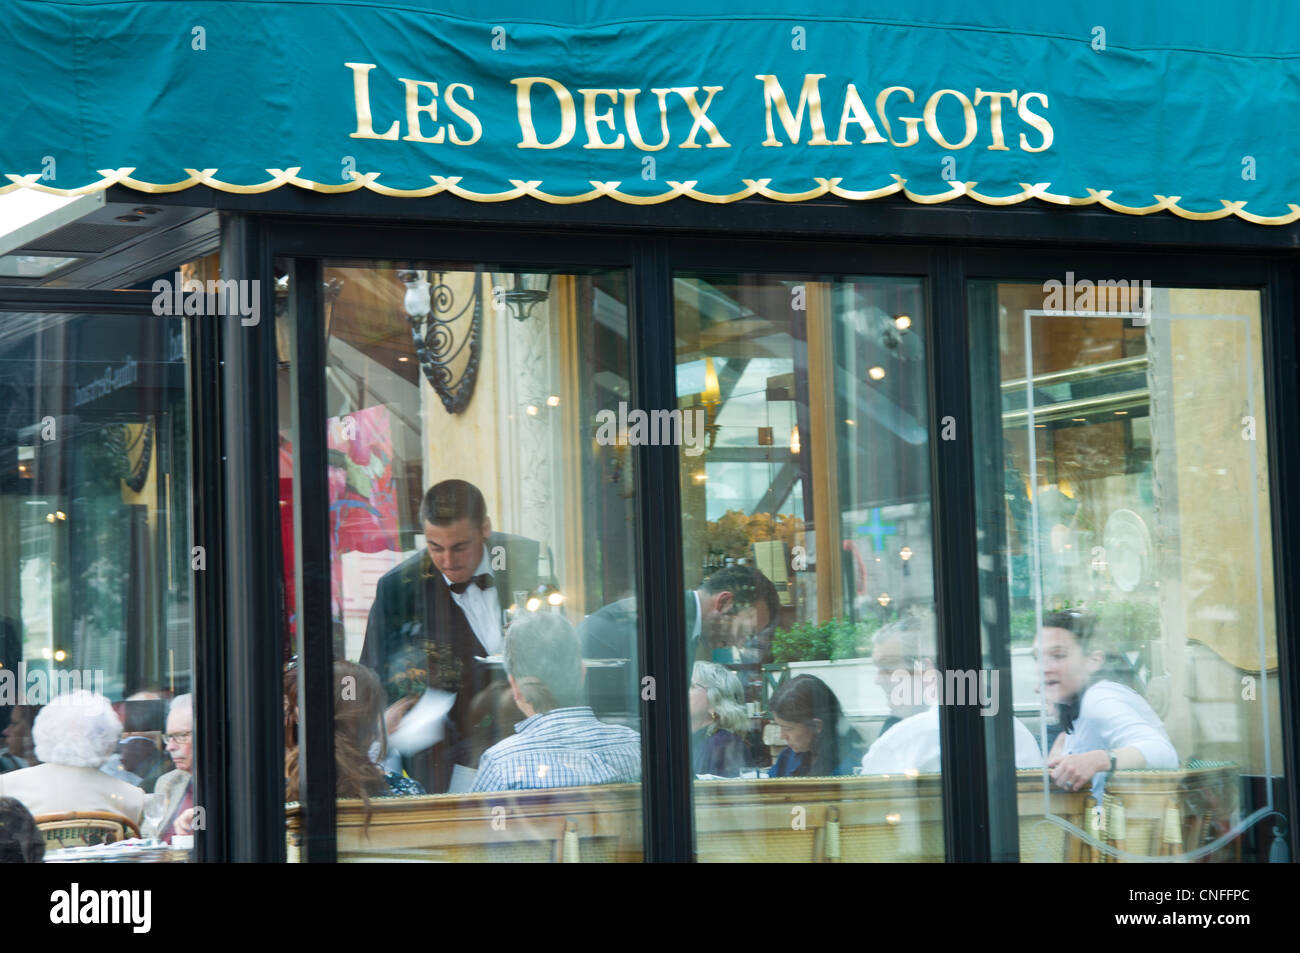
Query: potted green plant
<point x="838" y="651"/>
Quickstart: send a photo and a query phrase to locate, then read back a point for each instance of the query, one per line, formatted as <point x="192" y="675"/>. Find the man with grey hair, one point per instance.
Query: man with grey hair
<point x="177" y="787"/>
<point x="902" y="651"/>
<point x="559" y="743"/>
<point x="904" y="654"/>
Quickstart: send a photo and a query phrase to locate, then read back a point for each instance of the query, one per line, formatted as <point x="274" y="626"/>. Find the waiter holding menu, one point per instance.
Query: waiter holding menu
<point x="436" y="614"/>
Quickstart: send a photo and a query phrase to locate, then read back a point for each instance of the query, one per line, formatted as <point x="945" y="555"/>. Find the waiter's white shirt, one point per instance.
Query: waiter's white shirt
<point x="482" y="608"/>
<point x="913" y="745"/>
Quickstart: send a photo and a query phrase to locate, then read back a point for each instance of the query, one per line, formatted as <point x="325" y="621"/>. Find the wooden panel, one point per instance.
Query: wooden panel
<point x="894" y="819"/>
<point x="821" y="443"/>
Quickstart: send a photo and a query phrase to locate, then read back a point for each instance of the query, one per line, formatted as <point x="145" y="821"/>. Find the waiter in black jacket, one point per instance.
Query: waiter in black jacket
<point x="436" y="613"/>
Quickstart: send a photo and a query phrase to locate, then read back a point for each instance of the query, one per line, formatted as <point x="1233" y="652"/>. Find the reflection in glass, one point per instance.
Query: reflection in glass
<point x="806" y="535"/>
<point x="1131" y="570"/>
<point x="95" y="563"/>
<point x="479" y="522"/>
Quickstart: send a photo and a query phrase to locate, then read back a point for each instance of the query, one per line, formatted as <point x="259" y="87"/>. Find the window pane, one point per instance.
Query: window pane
<point x="95" y="573"/>
<point x="476" y="521"/>
<point x="1133" y="580"/>
<point x="806" y="525"/>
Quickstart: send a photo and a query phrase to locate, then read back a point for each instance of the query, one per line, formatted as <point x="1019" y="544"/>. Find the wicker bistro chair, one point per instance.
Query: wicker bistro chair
<point x="84" y="828"/>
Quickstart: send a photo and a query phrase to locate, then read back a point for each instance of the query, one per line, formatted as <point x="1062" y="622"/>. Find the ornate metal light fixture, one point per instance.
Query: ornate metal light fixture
<point x="442" y="334"/>
<point x="446" y="333"/>
<point x="524" y="293"/>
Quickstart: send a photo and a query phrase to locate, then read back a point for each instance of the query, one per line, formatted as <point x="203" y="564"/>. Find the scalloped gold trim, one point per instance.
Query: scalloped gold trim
<point x="1162" y="204"/>
<point x="1014" y="199"/>
<point x="358" y="181"/>
<point x="371" y="181"/>
<point x="692" y="193"/>
<point x="1266" y="219"/>
<point x="833" y="186"/>
<point x="760" y="187"/>
<point x="32" y="181"/>
<point x="956" y="190"/>
<point x="531" y="188"/>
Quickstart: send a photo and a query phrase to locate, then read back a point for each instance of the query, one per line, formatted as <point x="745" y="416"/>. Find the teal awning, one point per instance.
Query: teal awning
<point x="1192" y="109"/>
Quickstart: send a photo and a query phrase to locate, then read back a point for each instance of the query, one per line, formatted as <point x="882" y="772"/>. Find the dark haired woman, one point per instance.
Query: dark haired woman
<point x="1106" y="726"/>
<point x="819" y="740"/>
<point x="359" y="746"/>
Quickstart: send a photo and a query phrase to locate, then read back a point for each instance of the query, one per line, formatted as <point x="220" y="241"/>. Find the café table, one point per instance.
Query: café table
<point x="133" y="851"/>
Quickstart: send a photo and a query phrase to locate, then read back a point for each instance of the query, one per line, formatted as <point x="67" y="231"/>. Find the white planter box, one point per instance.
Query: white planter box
<point x="853" y="681"/>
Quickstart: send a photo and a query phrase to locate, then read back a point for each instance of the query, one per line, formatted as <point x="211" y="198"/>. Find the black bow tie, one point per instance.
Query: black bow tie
<point x="1067" y="713"/>
<point x="483" y="580"/>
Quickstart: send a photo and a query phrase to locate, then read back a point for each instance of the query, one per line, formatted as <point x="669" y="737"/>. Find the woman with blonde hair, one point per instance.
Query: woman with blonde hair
<point x="719" y="722"/>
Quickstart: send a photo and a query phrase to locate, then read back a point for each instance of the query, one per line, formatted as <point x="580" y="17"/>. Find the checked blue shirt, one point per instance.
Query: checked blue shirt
<point x="564" y="747"/>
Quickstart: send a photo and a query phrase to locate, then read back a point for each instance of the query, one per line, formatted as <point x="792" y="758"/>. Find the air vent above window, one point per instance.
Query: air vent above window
<point x="83" y="239"/>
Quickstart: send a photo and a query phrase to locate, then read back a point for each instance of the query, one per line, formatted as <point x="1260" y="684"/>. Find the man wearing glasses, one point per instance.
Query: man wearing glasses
<point x="436" y="614"/>
<point x="734" y="611"/>
<point x="177" y="787"/>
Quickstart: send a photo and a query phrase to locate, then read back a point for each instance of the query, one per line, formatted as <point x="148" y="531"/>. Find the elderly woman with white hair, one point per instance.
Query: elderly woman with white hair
<point x="74" y="735"/>
<point x="719" y="722"/>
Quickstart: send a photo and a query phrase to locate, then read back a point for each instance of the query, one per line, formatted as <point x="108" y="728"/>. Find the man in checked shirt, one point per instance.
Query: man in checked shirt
<point x="559" y="743"/>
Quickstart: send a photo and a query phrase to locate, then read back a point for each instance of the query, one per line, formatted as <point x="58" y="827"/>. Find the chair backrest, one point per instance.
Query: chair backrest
<point x="84" y="828"/>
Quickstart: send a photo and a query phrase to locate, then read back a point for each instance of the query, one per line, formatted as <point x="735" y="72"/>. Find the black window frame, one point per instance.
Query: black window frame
<point x="948" y="245"/>
<point x="203" y="345"/>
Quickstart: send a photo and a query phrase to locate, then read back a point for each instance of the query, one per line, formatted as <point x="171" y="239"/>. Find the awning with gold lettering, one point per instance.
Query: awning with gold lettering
<point x="1192" y="108"/>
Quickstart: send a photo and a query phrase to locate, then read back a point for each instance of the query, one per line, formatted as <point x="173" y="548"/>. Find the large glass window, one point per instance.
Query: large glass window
<point x="807" y="545"/>
<point x="1124" y="532"/>
<point x="95" y="578"/>
<point x="482" y="550"/>
<point x="482" y="434"/>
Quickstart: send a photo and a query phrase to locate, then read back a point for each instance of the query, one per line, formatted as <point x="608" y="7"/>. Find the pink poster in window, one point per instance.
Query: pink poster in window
<point x="363" y="501"/>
